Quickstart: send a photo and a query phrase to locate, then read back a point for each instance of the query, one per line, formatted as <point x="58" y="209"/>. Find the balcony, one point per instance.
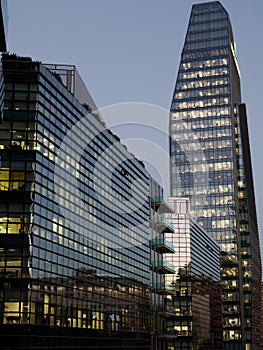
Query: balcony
<point x="162" y="226"/>
<point x="168" y="336"/>
<point x="166" y="313"/>
<point x="158" y="203"/>
<point x="162" y="267"/>
<point x="174" y="334"/>
<point x="161" y="245"/>
<point x="162" y="288"/>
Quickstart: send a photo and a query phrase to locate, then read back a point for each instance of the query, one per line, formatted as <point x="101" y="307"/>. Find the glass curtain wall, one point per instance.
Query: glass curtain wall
<point x="205" y="165"/>
<point x="74" y="234"/>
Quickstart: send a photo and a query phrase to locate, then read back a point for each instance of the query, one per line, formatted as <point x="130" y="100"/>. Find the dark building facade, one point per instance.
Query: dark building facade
<point x="74" y="220"/>
<point x="211" y="164"/>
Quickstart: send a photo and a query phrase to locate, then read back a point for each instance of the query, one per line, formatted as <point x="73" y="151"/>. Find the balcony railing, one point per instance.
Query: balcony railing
<point x="168" y="336"/>
<point x="174" y="334"/>
<point x="162" y="226"/>
<point x="162" y="206"/>
<point x="161" y="245"/>
<point x="164" y="312"/>
<point x="162" y="288"/>
<point x="162" y="267"/>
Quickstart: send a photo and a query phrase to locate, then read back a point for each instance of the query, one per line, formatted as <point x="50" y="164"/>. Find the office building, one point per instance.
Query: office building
<point x="192" y="304"/>
<point x="211" y="164"/>
<point x="74" y="219"/>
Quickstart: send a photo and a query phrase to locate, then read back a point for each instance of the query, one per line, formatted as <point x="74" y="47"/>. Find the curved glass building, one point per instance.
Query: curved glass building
<point x="74" y="219"/>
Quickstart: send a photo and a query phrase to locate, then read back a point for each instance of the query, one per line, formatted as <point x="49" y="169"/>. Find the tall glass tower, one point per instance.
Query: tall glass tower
<point x="211" y="164"/>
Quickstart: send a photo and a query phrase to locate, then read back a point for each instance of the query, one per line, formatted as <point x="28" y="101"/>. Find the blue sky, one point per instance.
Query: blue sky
<point x="129" y="51"/>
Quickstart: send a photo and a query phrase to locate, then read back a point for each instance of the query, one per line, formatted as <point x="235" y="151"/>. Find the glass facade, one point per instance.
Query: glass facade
<point x="193" y="307"/>
<point x="74" y="227"/>
<point x="210" y="163"/>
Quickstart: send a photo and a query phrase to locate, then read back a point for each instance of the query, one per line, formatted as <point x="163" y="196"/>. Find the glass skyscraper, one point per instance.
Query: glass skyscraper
<point x="211" y="164"/>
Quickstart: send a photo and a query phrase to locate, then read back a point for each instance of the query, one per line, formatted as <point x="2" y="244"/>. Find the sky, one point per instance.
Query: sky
<point x="129" y="51"/>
